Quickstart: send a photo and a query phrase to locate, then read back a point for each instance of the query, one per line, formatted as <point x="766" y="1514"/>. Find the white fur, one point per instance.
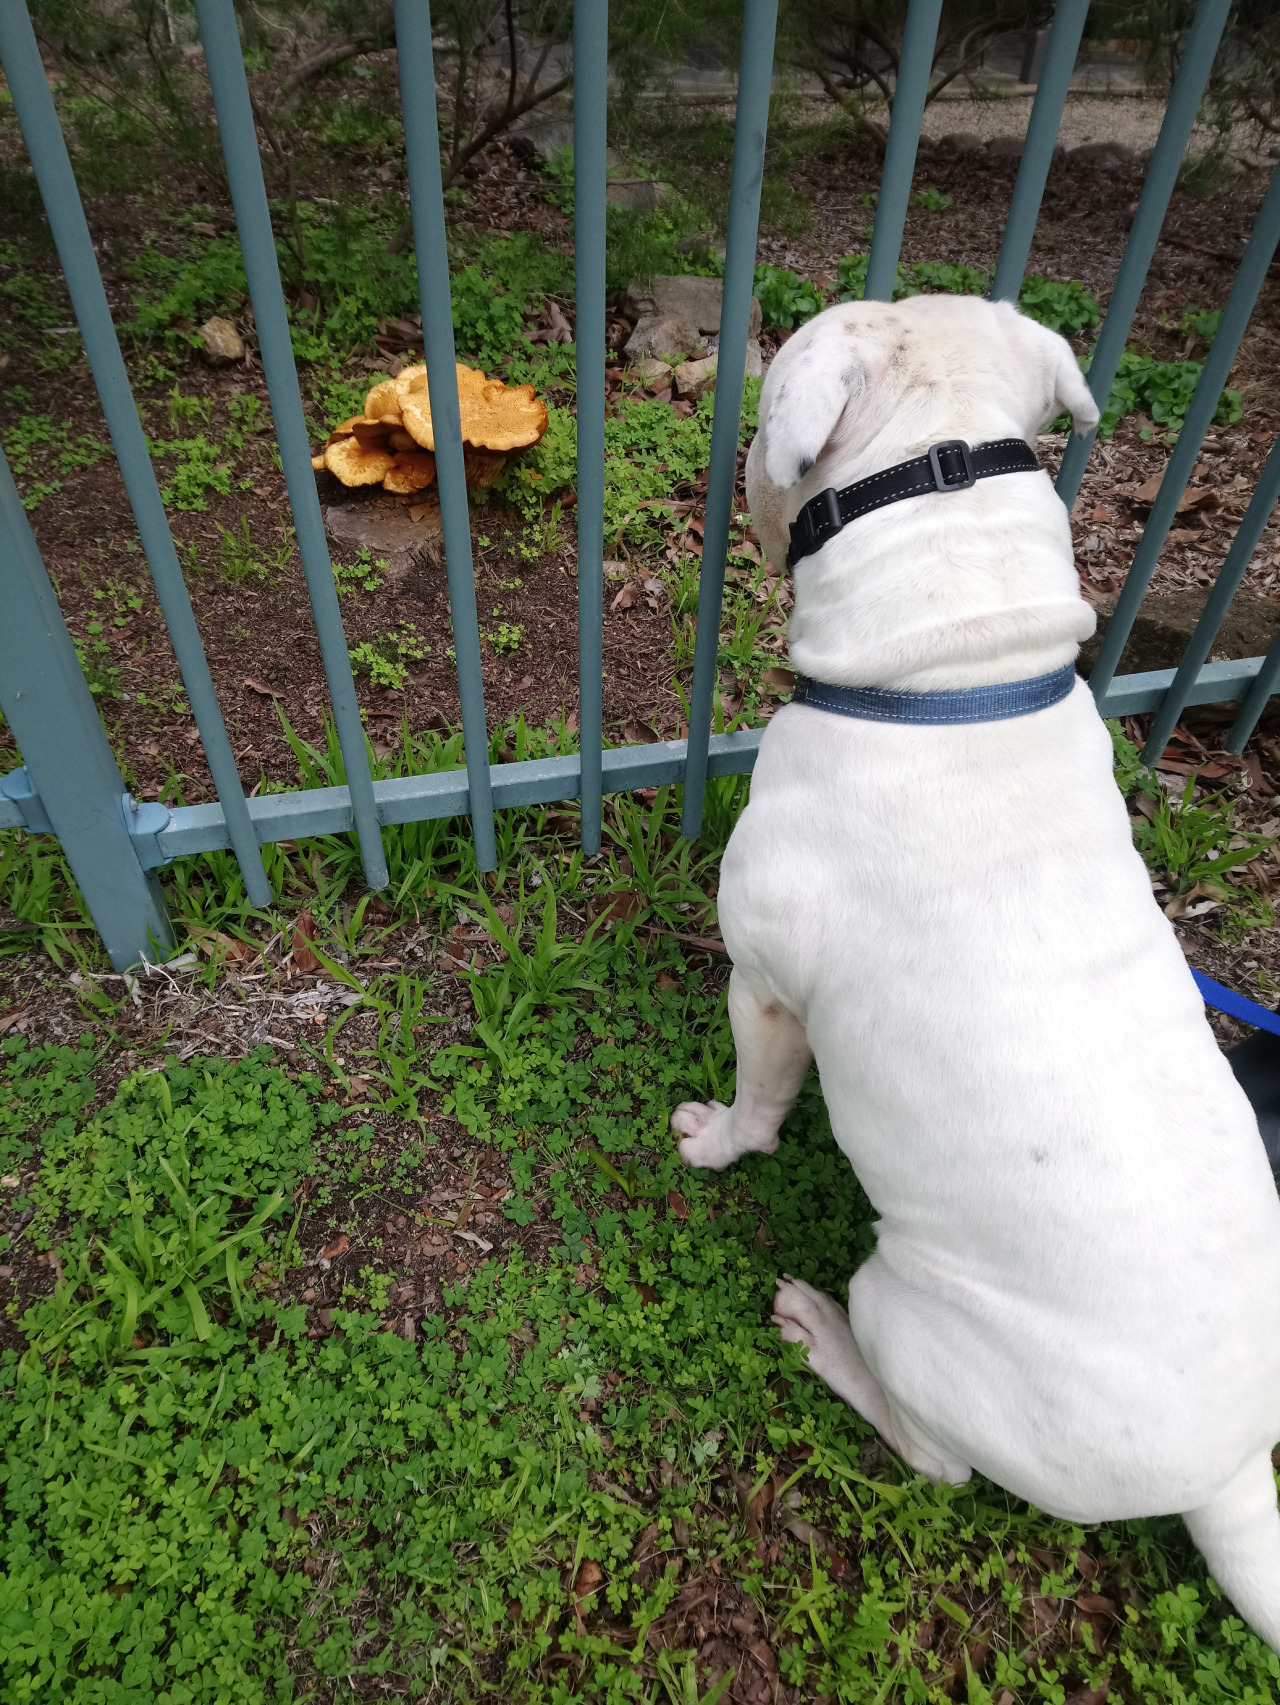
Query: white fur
<point x="1076" y="1288"/>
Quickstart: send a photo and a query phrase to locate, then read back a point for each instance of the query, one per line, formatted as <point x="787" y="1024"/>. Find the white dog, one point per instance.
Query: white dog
<point x="1076" y="1289"/>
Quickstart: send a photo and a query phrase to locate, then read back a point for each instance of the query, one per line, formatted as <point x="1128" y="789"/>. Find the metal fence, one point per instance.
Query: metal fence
<point x="70" y="784"/>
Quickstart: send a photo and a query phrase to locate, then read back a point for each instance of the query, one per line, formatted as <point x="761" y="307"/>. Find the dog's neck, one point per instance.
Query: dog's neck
<point x="957" y="589"/>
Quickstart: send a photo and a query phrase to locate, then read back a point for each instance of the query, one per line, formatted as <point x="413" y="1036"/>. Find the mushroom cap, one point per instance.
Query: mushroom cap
<point x="494" y="416"/>
<point x="383" y="403"/>
<point x="348" y="461"/>
<point x="317" y="462"/>
<point x="372" y="434"/>
<point x="411" y="470"/>
<point x="400" y="440"/>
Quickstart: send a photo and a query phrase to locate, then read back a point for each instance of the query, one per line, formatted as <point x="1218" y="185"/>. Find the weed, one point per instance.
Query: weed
<point x="1066" y="308"/>
<point x="187" y="411"/>
<point x="94" y="654"/>
<point x="200" y="469"/>
<point x="506" y="638"/>
<point x="183" y="1458"/>
<point x="1162" y="390"/>
<point x="1187" y="841"/>
<point x="241" y="558"/>
<point x="385" y="660"/>
<point x="1190" y="842"/>
<point x="951" y="277"/>
<point x="363" y="575"/>
<point x="785" y="298"/>
<point x="248" y="415"/>
<point x="932" y="200"/>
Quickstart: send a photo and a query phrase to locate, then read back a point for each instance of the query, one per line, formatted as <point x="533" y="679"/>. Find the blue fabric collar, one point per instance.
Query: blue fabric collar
<point x="961" y="704"/>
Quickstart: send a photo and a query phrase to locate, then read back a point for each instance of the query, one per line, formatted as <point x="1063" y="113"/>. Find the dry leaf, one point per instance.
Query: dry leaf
<point x="677" y="1204"/>
<point x="646" y="1293"/>
<point x="257" y="686"/>
<point x="304" y="931"/>
<point x="665" y="980"/>
<point x="625" y="597"/>
<point x="778" y="680"/>
<point x="637" y="733"/>
<point x="332" y="1251"/>
<point x="1102" y="515"/>
<point x="470" y="1237"/>
<point x="10" y="1018"/>
<point x="614" y="908"/>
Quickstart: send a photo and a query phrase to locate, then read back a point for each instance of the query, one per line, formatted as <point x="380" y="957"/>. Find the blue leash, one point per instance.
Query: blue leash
<point x="1236" y="1006"/>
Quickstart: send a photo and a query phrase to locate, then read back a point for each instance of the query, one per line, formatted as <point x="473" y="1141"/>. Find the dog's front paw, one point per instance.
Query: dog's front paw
<point x="706" y="1127"/>
<point x="812" y="1318"/>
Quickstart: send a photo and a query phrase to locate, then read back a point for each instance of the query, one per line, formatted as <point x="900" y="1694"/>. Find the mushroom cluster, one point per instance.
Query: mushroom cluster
<point x="392" y="443"/>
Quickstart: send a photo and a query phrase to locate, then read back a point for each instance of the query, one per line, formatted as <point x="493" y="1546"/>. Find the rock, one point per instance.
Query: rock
<point x="960" y="142"/>
<point x="537" y="138"/>
<point x="695" y="378"/>
<point x="1104" y="156"/>
<point x="698" y="300"/>
<point x="1166" y="622"/>
<point x="222" y="342"/>
<point x="387" y="529"/>
<point x="541" y="139"/>
<point x="660" y="335"/>
<point x="651" y="370"/>
<point x="1004" y="148"/>
<point x="754" y="368"/>
<point x="642" y="195"/>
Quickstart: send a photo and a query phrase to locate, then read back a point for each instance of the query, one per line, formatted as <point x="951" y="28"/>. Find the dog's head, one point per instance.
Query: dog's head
<point x="870" y="383"/>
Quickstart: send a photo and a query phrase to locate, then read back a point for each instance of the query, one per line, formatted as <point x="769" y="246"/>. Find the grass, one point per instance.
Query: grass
<point x="582" y="1431"/>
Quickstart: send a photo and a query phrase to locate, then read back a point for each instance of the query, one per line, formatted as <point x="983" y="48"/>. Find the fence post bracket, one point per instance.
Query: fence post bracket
<point x="19" y="787"/>
<point x="144" y="820"/>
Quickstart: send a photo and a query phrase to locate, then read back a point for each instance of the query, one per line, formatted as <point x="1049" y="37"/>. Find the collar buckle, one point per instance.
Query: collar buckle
<point x="954" y="481"/>
<point x="818" y="521"/>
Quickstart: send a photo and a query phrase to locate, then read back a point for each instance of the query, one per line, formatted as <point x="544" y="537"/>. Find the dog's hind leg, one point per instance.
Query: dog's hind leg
<point x="1238" y="1532"/>
<point x="773" y="1056"/>
<point x="809" y="1317"/>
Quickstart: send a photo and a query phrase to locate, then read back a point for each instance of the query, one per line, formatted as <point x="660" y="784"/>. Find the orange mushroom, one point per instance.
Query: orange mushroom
<point x="391" y="442"/>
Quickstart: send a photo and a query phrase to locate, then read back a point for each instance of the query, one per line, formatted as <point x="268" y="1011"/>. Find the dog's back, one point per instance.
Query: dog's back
<point x="1018" y="1066"/>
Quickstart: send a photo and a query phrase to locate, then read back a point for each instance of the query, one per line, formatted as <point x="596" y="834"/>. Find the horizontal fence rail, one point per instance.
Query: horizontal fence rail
<point x="69" y="783"/>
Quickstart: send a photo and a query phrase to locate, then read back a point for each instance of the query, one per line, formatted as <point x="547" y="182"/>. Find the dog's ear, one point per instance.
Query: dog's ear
<point x="815" y="377"/>
<point x="1071" y="390"/>
<point x="1066" y="386"/>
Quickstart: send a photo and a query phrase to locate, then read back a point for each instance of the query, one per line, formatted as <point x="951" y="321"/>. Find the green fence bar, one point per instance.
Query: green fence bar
<point x="590" y="105"/>
<point x="1162" y="175"/>
<point x="755" y="79"/>
<point x="238" y="131"/>
<point x="65" y="750"/>
<point x="915" y="63"/>
<point x="29" y="87"/>
<point x="1265" y="495"/>
<point x="1037" y="150"/>
<point x="422" y="154"/>
<point x="1217" y="369"/>
<point x="1225" y="587"/>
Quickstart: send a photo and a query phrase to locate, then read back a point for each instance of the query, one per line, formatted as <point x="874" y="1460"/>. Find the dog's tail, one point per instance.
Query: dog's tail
<point x="1238" y="1532"/>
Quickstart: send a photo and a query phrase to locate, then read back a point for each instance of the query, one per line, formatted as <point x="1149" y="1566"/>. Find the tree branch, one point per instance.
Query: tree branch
<point x="329" y="53"/>
<point x="499" y="119"/>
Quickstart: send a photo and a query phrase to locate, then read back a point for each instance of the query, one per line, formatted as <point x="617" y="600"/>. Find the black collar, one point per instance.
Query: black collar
<point x="950" y="466"/>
